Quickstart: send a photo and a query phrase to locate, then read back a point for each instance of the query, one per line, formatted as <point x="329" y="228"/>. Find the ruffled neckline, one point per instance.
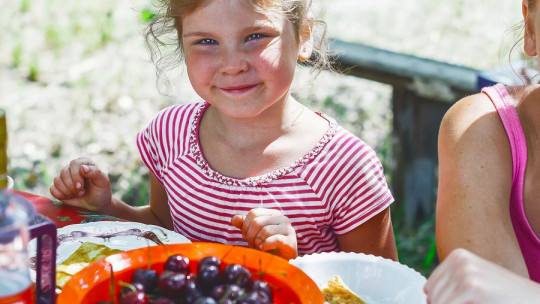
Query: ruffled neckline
<point x="196" y="151"/>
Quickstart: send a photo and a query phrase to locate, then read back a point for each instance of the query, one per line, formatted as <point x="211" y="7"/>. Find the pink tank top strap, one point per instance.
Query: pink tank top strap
<point x="527" y="239"/>
<point x="507" y="112"/>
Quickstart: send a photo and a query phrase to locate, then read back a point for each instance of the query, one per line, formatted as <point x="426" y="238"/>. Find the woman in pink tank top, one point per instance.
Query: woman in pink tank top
<point x="488" y="206"/>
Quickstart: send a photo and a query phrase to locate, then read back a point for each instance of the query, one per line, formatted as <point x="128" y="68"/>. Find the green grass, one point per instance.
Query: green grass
<point x="16" y="56"/>
<point x="33" y="71"/>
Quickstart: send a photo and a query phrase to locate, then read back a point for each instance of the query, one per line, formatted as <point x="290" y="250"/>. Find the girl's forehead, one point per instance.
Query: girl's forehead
<point x="259" y="5"/>
<point x="237" y="9"/>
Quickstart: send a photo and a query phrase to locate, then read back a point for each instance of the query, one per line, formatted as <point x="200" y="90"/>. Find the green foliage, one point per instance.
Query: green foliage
<point x="33" y="72"/>
<point x="34" y="177"/>
<point x="106" y="29"/>
<point x="16" y="56"/>
<point x="331" y="106"/>
<point x="147" y="15"/>
<point x="416" y="245"/>
<point x="138" y="192"/>
<point x="52" y="36"/>
<point x="25" y="6"/>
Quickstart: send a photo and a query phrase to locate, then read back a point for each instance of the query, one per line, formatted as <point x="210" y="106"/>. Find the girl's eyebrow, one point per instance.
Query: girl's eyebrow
<point x="255" y="28"/>
<point x="196" y="34"/>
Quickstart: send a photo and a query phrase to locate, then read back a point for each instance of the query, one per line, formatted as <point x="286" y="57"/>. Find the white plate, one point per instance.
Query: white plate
<point x="375" y="279"/>
<point x="117" y="235"/>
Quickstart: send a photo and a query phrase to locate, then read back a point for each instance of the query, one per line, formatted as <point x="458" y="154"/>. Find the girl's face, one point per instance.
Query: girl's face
<point x="240" y="61"/>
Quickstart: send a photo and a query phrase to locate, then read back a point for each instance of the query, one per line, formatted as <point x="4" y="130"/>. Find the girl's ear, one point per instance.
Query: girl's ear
<point x="529" y="39"/>
<point x="306" y="40"/>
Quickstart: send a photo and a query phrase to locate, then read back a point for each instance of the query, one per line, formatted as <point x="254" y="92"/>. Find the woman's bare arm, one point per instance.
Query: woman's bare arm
<point x="475" y="176"/>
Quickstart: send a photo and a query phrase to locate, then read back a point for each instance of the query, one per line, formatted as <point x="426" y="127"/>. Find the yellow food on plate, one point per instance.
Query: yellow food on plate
<point x="336" y="292"/>
<point x="87" y="253"/>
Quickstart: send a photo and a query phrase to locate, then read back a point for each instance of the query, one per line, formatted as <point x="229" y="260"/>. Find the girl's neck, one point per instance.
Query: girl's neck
<point x="255" y="132"/>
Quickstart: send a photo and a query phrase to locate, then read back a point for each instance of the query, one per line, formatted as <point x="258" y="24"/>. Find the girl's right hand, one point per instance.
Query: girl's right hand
<point x="82" y="184"/>
<point x="268" y="230"/>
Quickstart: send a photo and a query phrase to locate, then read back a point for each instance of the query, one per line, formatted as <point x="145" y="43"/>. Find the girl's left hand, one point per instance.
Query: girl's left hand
<point x="268" y="230"/>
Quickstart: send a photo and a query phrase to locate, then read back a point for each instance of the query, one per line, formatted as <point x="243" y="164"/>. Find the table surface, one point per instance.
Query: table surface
<point x="60" y="213"/>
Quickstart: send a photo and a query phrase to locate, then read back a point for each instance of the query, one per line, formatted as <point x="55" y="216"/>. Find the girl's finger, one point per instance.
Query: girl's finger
<point x="94" y="175"/>
<point x="255" y="232"/>
<point x="281" y="245"/>
<point x="76" y="177"/>
<point x="66" y="179"/>
<point x="64" y="183"/>
<point x="57" y="193"/>
<point x="268" y="231"/>
<point x="237" y="221"/>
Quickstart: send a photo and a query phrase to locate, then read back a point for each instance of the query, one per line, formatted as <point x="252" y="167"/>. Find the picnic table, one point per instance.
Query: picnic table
<point x="61" y="214"/>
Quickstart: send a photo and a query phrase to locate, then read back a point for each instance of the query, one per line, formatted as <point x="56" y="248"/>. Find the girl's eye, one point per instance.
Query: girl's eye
<point x="254" y="36"/>
<point x="208" y="41"/>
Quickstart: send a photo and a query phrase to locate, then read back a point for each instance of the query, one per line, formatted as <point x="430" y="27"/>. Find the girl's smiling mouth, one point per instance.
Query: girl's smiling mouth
<point x="239" y="89"/>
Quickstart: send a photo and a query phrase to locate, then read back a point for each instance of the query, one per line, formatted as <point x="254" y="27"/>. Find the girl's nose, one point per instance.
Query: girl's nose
<point x="233" y="62"/>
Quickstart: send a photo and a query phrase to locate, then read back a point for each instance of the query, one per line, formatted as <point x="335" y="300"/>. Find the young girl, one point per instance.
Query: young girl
<point x="488" y="211"/>
<point x="250" y="165"/>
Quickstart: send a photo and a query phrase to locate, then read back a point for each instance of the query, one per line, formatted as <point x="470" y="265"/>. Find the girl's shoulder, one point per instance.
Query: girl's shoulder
<point x="179" y="114"/>
<point x="192" y="108"/>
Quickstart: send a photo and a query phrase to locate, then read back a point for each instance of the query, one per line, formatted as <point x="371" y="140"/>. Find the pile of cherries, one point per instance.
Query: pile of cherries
<point x="211" y="284"/>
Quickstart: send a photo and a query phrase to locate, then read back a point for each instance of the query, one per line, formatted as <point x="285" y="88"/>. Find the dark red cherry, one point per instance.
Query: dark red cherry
<point x="177" y="263"/>
<point x="192" y="292"/>
<point x="261" y="286"/>
<point x="172" y="284"/>
<point x="208" y="277"/>
<point x="253" y="297"/>
<point x="209" y="260"/>
<point x="237" y="274"/>
<point x="132" y="297"/>
<point x="148" y="278"/>
<point x="129" y="288"/>
<point x="224" y="292"/>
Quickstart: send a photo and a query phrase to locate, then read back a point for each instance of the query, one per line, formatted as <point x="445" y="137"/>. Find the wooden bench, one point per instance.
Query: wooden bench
<point x="423" y="90"/>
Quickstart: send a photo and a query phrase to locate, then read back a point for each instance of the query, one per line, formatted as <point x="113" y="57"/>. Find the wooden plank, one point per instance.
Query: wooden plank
<point x="430" y="78"/>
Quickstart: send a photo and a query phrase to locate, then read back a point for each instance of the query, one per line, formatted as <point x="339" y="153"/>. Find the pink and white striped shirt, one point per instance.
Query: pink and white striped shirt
<point x="331" y="190"/>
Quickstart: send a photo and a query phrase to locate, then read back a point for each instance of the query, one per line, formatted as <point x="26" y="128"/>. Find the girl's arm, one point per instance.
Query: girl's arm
<point x="372" y="237"/>
<point x="156" y="213"/>
<point x="475" y="177"/>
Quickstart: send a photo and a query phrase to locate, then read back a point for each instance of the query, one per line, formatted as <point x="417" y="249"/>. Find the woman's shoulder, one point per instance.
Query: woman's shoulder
<point x="473" y="117"/>
<point x="473" y="140"/>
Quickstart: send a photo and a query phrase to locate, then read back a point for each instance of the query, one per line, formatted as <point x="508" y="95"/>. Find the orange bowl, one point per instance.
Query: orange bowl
<point x="290" y="285"/>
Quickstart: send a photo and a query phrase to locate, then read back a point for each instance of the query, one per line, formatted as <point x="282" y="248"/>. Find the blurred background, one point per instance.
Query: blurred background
<point x="76" y="80"/>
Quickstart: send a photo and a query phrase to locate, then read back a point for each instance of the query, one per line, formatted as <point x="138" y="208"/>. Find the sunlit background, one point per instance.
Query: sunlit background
<point x="75" y="80"/>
